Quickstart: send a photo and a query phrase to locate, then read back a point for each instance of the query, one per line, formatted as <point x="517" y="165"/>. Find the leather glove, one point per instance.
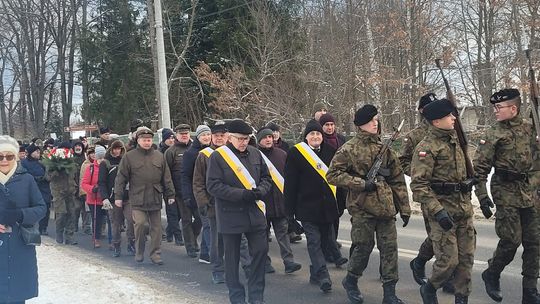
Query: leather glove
<point x="485" y="205"/>
<point x="107" y="204"/>
<point x="258" y="193"/>
<point x="249" y="196"/>
<point x="444" y="220"/>
<point x="10" y="217"/>
<point x="203" y="211"/>
<point x="370" y="186"/>
<point x="95" y="189"/>
<point x="405" y="219"/>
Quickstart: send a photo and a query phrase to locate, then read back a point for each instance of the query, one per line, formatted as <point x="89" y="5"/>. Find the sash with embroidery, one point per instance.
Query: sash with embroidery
<point x="207" y="151"/>
<point x="241" y="172"/>
<point x="315" y="162"/>
<point x="276" y="176"/>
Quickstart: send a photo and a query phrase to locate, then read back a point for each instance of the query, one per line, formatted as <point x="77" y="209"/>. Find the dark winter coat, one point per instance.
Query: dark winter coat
<point x="307" y="195"/>
<point x="18" y="265"/>
<point x="275" y="202"/>
<point x="174" y="157"/>
<point x="232" y="213"/>
<point x="37" y="170"/>
<point x="149" y="179"/>
<point x="202" y="197"/>
<point x="108" y="169"/>
<point x="283" y="145"/>
<point x="186" y="173"/>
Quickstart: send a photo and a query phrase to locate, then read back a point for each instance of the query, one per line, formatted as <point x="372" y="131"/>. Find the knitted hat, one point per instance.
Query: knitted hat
<point x="326" y="118"/>
<point x="100" y="152"/>
<point x="438" y="109"/>
<point x="319" y="106"/>
<point x="182" y="128"/>
<point x="504" y="95"/>
<point x="201" y="129"/>
<point x="426" y="99"/>
<point x="312" y="125"/>
<point x="9" y="144"/>
<point x="263" y="132"/>
<point x="166" y="134"/>
<point x="32" y="148"/>
<point x="364" y="115"/>
<point x="239" y="126"/>
<point x="219" y="127"/>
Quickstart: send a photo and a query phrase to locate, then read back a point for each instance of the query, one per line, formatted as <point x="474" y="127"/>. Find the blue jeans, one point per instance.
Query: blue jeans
<point x="205" y="236"/>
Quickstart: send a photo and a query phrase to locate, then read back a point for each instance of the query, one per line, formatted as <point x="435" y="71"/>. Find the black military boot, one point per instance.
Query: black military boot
<point x="493" y="286"/>
<point x="116" y="250"/>
<point x="350" y="283"/>
<point x="448" y="287"/>
<point x="131" y="247"/>
<point x="428" y="293"/>
<point x="390" y="294"/>
<point x="461" y="299"/>
<point x="530" y="296"/>
<point x="418" y="267"/>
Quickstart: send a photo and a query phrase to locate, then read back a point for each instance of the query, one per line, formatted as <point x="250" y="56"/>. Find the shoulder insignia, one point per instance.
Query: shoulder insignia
<point x="422" y="154"/>
<point x="482" y="142"/>
<point x="406" y="139"/>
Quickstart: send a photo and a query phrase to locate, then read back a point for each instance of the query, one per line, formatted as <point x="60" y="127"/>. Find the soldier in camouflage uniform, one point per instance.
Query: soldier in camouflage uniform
<point x="439" y="182"/>
<point x="506" y="146"/>
<point x="372" y="205"/>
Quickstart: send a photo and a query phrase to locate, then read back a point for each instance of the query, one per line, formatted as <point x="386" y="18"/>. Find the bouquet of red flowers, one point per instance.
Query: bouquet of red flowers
<point x="59" y="159"/>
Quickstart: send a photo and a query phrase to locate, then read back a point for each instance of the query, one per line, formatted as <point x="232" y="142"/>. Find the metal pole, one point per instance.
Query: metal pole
<point x="165" y="118"/>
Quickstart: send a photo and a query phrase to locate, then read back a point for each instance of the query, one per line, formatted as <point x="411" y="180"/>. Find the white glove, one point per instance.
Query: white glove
<point x="107" y="204"/>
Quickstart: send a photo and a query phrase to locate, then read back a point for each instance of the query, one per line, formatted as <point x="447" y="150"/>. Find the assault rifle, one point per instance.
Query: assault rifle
<point x="462" y="139"/>
<point x="374" y="170"/>
<point x="533" y="95"/>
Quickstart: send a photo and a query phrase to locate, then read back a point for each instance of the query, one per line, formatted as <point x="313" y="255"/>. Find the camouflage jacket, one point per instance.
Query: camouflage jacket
<point x="351" y="164"/>
<point x="507" y="146"/>
<point x="413" y="138"/>
<point x="438" y="158"/>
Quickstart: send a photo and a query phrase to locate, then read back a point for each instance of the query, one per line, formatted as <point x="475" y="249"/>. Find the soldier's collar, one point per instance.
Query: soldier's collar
<point x="441" y="133"/>
<point x="367" y="136"/>
<point x="516" y="121"/>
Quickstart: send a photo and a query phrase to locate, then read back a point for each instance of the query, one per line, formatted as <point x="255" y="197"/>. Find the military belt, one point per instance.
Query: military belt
<point x="510" y="176"/>
<point x="449" y="188"/>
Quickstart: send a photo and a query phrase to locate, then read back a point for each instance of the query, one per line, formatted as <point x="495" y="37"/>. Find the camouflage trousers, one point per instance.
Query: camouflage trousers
<point x="514" y="227"/>
<point x="454" y="254"/>
<point x="65" y="210"/>
<point x="363" y="233"/>
<point x="425" y="252"/>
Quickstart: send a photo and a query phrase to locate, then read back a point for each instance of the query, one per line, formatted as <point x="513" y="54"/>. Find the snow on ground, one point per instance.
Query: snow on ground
<point x="69" y="276"/>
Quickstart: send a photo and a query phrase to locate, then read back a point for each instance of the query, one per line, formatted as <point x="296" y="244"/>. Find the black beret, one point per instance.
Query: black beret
<point x="239" y="126"/>
<point x="182" y="128"/>
<point x="364" y="115"/>
<point x="504" y="95"/>
<point x="32" y="148"/>
<point x="104" y="130"/>
<point x="438" y="109"/>
<point x="263" y="132"/>
<point x="312" y="125"/>
<point x="219" y="127"/>
<point x="426" y="99"/>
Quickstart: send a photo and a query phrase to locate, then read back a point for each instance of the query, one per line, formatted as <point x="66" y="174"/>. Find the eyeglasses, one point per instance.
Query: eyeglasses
<point x="498" y="107"/>
<point x="8" y="157"/>
<point x="246" y="138"/>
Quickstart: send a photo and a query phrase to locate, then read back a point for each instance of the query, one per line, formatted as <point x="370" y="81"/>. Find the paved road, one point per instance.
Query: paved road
<point x="186" y="275"/>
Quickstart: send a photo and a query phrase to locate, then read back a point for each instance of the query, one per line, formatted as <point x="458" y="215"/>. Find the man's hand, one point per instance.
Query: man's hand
<point x="249" y="196"/>
<point x="485" y="205"/>
<point x="258" y="193"/>
<point x="444" y="220"/>
<point x="107" y="204"/>
<point x="405" y="219"/>
<point x="118" y="203"/>
<point x="2" y="228"/>
<point x="95" y="189"/>
<point x="171" y="201"/>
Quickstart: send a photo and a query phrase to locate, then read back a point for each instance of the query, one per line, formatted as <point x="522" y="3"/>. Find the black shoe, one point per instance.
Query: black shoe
<point x="341" y="261"/>
<point x="530" y="296"/>
<point x="291" y="267"/>
<point x="178" y="241"/>
<point x="428" y="293"/>
<point x="116" y="251"/>
<point x="169" y="238"/>
<point x="60" y="239"/>
<point x="461" y="299"/>
<point x="390" y="294"/>
<point x="218" y="277"/>
<point x="268" y="268"/>
<point x="192" y="253"/>
<point x="131" y="248"/>
<point x="448" y="287"/>
<point x="325" y="284"/>
<point x="418" y="271"/>
<point x="204" y="259"/>
<point x="350" y="284"/>
<point x="71" y="242"/>
<point x="493" y="287"/>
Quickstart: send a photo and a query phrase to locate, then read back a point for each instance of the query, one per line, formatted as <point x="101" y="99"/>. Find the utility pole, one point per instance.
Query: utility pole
<point x="165" y="117"/>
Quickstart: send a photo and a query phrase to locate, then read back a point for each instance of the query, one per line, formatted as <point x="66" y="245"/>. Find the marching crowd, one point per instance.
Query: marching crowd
<point x="227" y="187"/>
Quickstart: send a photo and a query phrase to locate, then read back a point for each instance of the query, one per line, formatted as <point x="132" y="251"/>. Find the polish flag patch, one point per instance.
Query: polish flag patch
<point x="422" y="154"/>
<point x="482" y="142"/>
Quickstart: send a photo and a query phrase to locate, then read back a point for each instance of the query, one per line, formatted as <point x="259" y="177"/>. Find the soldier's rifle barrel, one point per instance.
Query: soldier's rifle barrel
<point x="533" y="94"/>
<point x="373" y="171"/>
<point x="458" y="126"/>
